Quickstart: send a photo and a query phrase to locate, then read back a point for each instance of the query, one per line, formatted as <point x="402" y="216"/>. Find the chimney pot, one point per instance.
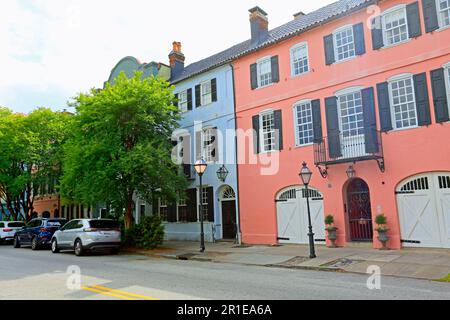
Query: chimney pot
<point x="298" y="15"/>
<point x="176" y="59"/>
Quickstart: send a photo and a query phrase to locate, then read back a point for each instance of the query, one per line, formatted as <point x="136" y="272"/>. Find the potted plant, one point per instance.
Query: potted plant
<point x="382" y="230"/>
<point x="331" y="229"/>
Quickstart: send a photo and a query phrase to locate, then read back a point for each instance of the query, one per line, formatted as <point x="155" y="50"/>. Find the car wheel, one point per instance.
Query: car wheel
<point x="55" y="248"/>
<point x="34" y="244"/>
<point x="79" y="251"/>
<point x="16" y="242"/>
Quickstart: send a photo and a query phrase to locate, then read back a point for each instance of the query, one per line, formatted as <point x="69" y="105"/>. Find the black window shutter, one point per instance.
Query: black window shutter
<point x="256" y="143"/>
<point x="198" y="145"/>
<point x="172" y="212"/>
<point x="254" y="76"/>
<point x="414" y="25"/>
<point x="198" y="100"/>
<point x="370" y="121"/>
<point x="210" y="192"/>
<point x="191" y="203"/>
<point x="215" y="152"/>
<point x="384" y="106"/>
<point x="329" y="49"/>
<point x="278" y="124"/>
<point x="422" y="99"/>
<point x="275" y="69"/>
<point x="440" y="95"/>
<point x="317" y="120"/>
<point x="358" y="33"/>
<point x="189" y="97"/>
<point x="334" y="141"/>
<point x="175" y="103"/>
<point x="430" y="15"/>
<point x="214" y="89"/>
<point x="377" y="34"/>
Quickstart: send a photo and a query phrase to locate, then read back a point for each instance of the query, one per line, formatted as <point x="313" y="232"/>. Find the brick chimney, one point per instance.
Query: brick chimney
<point x="176" y="59"/>
<point x="259" y="24"/>
<point x="298" y="15"/>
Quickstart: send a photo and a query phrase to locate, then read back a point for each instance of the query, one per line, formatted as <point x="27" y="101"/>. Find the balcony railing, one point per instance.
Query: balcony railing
<point x="344" y="148"/>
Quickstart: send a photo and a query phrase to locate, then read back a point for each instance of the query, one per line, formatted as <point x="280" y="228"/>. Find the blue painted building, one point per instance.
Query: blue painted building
<point x="206" y="98"/>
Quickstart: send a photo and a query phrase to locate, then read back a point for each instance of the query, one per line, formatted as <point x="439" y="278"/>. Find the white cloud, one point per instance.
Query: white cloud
<point x="54" y="49"/>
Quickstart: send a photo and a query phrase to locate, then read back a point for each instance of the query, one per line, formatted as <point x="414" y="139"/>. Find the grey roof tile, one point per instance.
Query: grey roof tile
<point x="290" y="29"/>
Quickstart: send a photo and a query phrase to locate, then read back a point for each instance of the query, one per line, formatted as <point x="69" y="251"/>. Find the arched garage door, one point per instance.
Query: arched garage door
<point x="292" y="216"/>
<point x="424" y="210"/>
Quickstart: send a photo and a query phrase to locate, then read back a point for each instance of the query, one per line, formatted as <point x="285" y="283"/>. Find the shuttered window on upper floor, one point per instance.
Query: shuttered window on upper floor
<point x="206" y="93"/>
<point x="264" y="72"/>
<point x="440" y="83"/>
<point x="344" y="43"/>
<point x="268" y="131"/>
<point x="396" y="25"/>
<point x="299" y="59"/>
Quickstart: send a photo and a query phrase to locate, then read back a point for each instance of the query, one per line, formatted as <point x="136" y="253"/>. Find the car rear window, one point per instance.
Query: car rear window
<point x="104" y="224"/>
<point x="16" y="224"/>
<point x="56" y="223"/>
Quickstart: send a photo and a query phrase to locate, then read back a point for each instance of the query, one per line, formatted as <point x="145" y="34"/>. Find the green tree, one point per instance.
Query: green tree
<point x="30" y="148"/>
<point x="120" y="145"/>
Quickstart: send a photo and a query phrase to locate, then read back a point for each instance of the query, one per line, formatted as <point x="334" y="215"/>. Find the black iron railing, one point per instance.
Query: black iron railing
<point x="342" y="148"/>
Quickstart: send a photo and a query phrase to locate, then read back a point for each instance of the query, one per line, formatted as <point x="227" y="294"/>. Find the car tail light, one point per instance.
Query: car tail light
<point x="44" y="230"/>
<point x="90" y="230"/>
<point x="7" y="230"/>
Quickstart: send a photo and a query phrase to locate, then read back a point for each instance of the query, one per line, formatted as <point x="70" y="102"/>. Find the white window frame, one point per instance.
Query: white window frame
<point x="439" y="14"/>
<point x="383" y="25"/>
<point x="299" y="46"/>
<point x="205" y="97"/>
<point x="261" y="131"/>
<point x="201" y="194"/>
<point x="208" y="149"/>
<point x="447" y="83"/>
<point x="335" y="46"/>
<point x="345" y="92"/>
<point x="258" y="71"/>
<point x="391" y="80"/>
<point x="296" y="124"/>
<point x="183" y="102"/>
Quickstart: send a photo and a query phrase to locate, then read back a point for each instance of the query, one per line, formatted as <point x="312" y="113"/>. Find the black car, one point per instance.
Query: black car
<point x="38" y="233"/>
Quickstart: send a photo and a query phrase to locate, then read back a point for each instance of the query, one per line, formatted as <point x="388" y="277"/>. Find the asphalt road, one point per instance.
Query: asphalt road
<point x="41" y="275"/>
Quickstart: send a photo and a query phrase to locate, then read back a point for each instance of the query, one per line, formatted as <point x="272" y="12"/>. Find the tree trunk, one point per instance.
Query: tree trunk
<point x="129" y="211"/>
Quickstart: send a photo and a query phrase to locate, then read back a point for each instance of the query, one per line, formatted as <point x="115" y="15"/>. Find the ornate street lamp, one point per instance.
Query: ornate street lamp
<point x="351" y="172"/>
<point x="222" y="173"/>
<point x="305" y="175"/>
<point x="200" y="167"/>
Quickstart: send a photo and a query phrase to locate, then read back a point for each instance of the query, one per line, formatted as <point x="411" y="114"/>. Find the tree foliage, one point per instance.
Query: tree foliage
<point x="120" y="145"/>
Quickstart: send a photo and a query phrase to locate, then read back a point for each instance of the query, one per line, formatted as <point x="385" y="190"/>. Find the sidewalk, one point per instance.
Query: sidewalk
<point x="430" y="264"/>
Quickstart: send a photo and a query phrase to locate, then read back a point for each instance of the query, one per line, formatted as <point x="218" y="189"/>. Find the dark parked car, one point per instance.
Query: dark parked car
<point x="38" y="233"/>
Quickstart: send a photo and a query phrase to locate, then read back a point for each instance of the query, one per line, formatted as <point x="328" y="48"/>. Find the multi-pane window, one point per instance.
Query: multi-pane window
<point x="183" y="101"/>
<point x="403" y="103"/>
<point x="163" y="209"/>
<point x="444" y="12"/>
<point x="299" y="59"/>
<point x="208" y="139"/>
<point x="206" y="93"/>
<point x="344" y="44"/>
<point x="304" y="123"/>
<point x="395" y="27"/>
<point x="264" y="72"/>
<point x="351" y="114"/>
<point x="267" y="124"/>
<point x="205" y="199"/>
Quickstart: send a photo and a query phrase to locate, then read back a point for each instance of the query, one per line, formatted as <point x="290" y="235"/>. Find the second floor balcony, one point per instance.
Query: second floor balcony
<point x="362" y="145"/>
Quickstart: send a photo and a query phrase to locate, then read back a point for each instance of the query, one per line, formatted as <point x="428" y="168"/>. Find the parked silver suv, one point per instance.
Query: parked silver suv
<point x="87" y="235"/>
<point x="8" y="230"/>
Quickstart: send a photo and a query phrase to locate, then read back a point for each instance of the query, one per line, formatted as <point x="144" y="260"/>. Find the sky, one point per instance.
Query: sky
<point x="51" y="50"/>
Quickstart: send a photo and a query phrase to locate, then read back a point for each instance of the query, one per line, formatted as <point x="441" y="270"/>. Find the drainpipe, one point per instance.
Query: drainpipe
<point x="239" y="233"/>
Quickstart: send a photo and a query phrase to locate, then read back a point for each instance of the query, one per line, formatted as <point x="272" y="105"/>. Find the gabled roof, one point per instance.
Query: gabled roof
<point x="295" y="27"/>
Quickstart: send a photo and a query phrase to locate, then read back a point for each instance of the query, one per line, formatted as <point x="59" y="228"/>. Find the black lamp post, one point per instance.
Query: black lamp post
<point x="305" y="175"/>
<point x="200" y="167"/>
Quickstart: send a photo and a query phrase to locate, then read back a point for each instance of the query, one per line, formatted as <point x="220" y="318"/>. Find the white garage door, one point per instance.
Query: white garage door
<point x="424" y="209"/>
<point x="292" y="216"/>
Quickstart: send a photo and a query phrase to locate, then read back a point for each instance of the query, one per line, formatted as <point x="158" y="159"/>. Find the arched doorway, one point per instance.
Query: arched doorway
<point x="228" y="206"/>
<point x="359" y="210"/>
<point x="292" y="215"/>
<point x="46" y="215"/>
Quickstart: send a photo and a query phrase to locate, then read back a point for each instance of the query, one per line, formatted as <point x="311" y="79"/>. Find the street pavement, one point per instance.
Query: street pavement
<point x="41" y="275"/>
